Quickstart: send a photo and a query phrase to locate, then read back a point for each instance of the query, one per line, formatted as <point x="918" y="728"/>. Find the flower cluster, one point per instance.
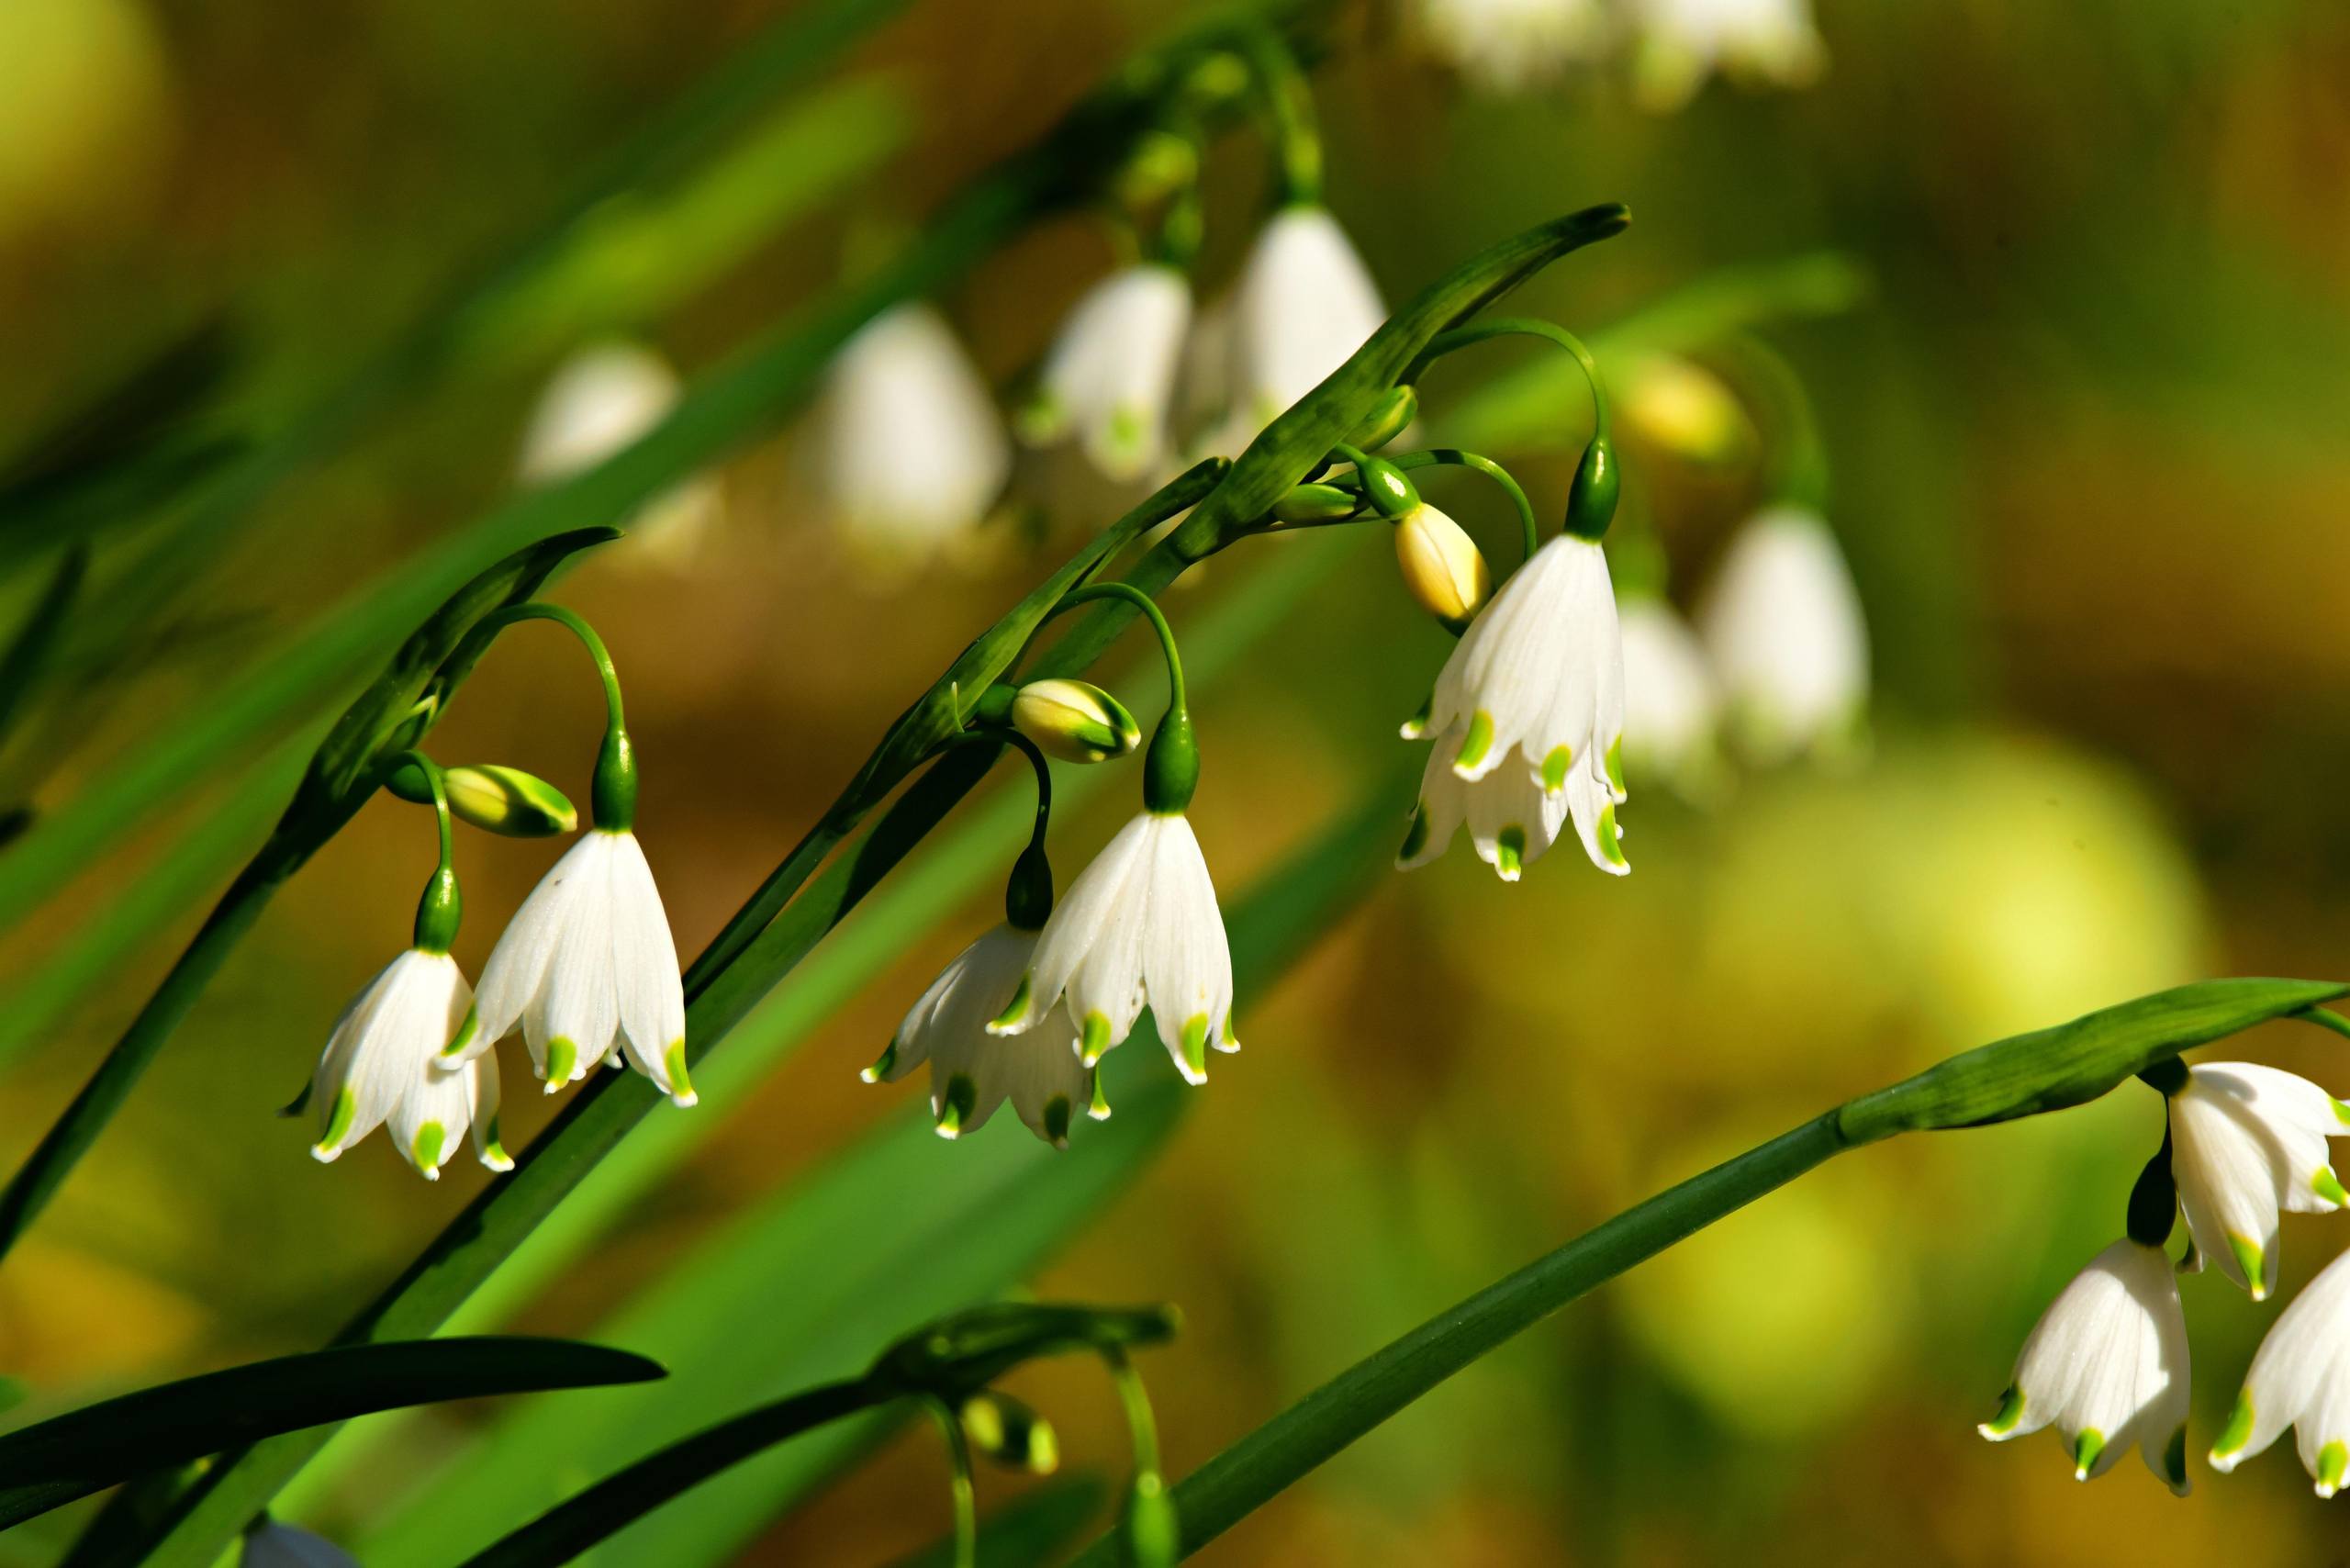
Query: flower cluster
<point x="1514" y="46"/>
<point x="2107" y="1365"/>
<point x="586" y="969"/>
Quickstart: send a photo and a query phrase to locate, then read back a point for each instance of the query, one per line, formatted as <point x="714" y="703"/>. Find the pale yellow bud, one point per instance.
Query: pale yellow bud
<point x="1685" y="409"/>
<point x="1440" y="564"/>
<point x="1074" y="721"/>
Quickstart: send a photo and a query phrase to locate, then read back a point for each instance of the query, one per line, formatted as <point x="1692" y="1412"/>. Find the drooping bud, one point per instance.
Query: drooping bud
<point x="494" y="798"/>
<point x="1074" y="719"/>
<point x="1591" y="501"/>
<point x="1441" y="565"/>
<point x="1683" y="409"/>
<point x="1316" y="503"/>
<point x="1388" y="418"/>
<point x="1010" y="1433"/>
<point x="1391" y="495"/>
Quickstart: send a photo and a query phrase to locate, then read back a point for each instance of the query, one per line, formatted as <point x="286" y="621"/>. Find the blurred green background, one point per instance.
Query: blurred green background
<point x="2091" y="447"/>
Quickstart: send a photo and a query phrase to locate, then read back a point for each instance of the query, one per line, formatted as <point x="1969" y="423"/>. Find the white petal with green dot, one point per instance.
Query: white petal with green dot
<point x="972" y="1071"/>
<point x="2107" y="1366"/>
<point x="2300" y="1378"/>
<point x="2248" y="1141"/>
<point x="381" y="1066"/>
<point x="1109" y="378"/>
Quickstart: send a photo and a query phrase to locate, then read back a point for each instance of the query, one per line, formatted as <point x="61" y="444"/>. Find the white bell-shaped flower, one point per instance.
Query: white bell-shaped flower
<point x="908" y="451"/>
<point x="1509" y="45"/>
<point x="1671" y="708"/>
<point x="1303" y="303"/>
<point x="1138" y="928"/>
<point x="1682" y="42"/>
<point x="273" y="1544"/>
<point x="1109" y="380"/>
<point x="2107" y="1366"/>
<point x="601" y="399"/>
<point x="972" y="1070"/>
<point x="1527" y="716"/>
<point x="381" y="1065"/>
<point x="2247" y="1141"/>
<point x="1784" y="630"/>
<point x="588" y="970"/>
<point x="2300" y="1378"/>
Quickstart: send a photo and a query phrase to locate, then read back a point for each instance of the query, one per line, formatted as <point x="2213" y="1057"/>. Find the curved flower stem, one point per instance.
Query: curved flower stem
<point x="2325" y="1018"/>
<point x="958" y="1458"/>
<point x="438" y="783"/>
<point x="1148" y="607"/>
<point x="1522" y="327"/>
<point x="572" y="622"/>
<point x="1452" y="456"/>
<point x="1799" y="458"/>
<point x="1027" y="748"/>
<point x="612" y="799"/>
<point x="1289" y="112"/>
<point x="440" y="909"/>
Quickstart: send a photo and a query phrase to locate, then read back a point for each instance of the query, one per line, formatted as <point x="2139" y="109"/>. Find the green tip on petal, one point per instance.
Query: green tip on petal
<point x="330" y="1144"/>
<point x="2332" y="1460"/>
<point x="1609" y="844"/>
<point x="2175" y="1460"/>
<point x="2327" y="1185"/>
<point x="1057" y="1112"/>
<point x="1475" y="744"/>
<point x="2250" y="1260"/>
<point x="1614" y="762"/>
<point x="955" y="1106"/>
<point x="1509" y="853"/>
<point x="1195" y="1048"/>
<point x="493" y="1150"/>
<point x="1416" y="837"/>
<point x="1016" y="1011"/>
<point x="426" y="1149"/>
<point x="2011" y="1412"/>
<point x="681" y="1087"/>
<point x="1100" y="1109"/>
<point x="466" y="1032"/>
<point x="882" y="1064"/>
<point x="563" y="1057"/>
<point x="1555" y="769"/>
<point x="1094" y="1037"/>
<point x="2341" y="1111"/>
<point x="2087" y="1450"/>
<point x="2233" y="1438"/>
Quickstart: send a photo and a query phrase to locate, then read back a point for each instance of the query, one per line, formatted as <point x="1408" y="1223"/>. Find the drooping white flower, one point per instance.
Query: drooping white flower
<point x="277" y="1545"/>
<point x="599" y="400"/>
<point x="2107" y="1366"/>
<point x="2300" y="1378"/>
<point x="1508" y="46"/>
<point x="1683" y="41"/>
<point x="381" y="1065"/>
<point x="2247" y="1141"/>
<point x="1303" y="303"/>
<point x="1784" y="630"/>
<point x="908" y="451"/>
<point x="588" y="970"/>
<point x="972" y="1070"/>
<point x="1528" y="715"/>
<point x="1109" y="380"/>
<point x="1671" y="708"/>
<point x="1138" y="928"/>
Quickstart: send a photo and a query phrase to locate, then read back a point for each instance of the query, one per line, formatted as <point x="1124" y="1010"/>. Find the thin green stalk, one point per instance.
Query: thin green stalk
<point x="1146" y="607"/>
<point x="1523" y="326"/>
<point x="959" y="1486"/>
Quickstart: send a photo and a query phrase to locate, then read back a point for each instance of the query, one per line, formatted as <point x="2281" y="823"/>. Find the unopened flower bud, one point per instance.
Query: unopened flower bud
<point x="1685" y="409"/>
<point x="1591" y="500"/>
<point x="1388" y="418"/>
<point x="1316" y="503"/>
<point x="1010" y="1433"/>
<point x="1440" y="564"/>
<point x="496" y="798"/>
<point x="1074" y="721"/>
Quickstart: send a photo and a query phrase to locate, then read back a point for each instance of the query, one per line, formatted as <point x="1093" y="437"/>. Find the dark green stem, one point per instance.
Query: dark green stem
<point x="1028" y="892"/>
<point x="441" y="907"/>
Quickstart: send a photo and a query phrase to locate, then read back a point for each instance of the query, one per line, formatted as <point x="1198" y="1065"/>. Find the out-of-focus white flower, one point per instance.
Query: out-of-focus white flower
<point x="1528" y="715"/>
<point x="599" y="401"/>
<point x="2300" y="1378"/>
<point x="1441" y="564"/>
<point x="1784" y="630"/>
<point x="589" y="971"/>
<point x="1507" y="46"/>
<point x="1305" y="302"/>
<point x="1109" y="380"/>
<point x="2107" y="1366"/>
<point x="908" y="451"/>
<point x="276" y="1545"/>
<point x="972" y="1070"/>
<point x="379" y="1066"/>
<point x="2247" y="1141"/>
<point x="1138" y="928"/>
<point x="1683" y="41"/>
<point x="1671" y="708"/>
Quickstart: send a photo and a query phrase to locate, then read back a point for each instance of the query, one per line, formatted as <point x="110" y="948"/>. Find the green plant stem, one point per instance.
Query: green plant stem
<point x="1147" y="607"/>
<point x="1797" y="471"/>
<point x="959" y="1486"/>
<point x="1523" y="326"/>
<point x="615" y="716"/>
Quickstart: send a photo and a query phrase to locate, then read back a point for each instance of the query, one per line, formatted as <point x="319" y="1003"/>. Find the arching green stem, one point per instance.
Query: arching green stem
<point x="1172" y="767"/>
<point x="1797" y="470"/>
<point x="612" y="798"/>
<point x="440" y="909"/>
<point x="1454" y="457"/>
<point x="958" y="1458"/>
<point x="1521" y="326"/>
<point x="1289" y="114"/>
<point x="2325" y="1018"/>
<point x="1154" y="1534"/>
<point x="1028" y="895"/>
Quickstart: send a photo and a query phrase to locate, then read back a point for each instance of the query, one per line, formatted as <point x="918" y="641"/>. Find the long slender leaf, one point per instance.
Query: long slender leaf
<point x="73" y="1455"/>
<point x="30" y="651"/>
